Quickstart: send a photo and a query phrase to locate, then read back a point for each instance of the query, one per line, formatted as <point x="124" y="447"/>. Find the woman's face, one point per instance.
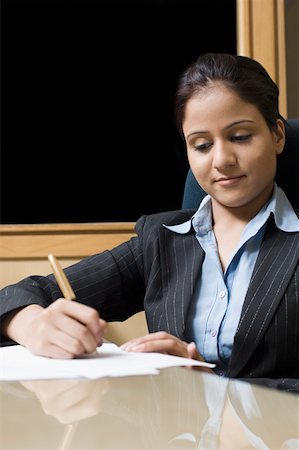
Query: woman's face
<point x="231" y="151"/>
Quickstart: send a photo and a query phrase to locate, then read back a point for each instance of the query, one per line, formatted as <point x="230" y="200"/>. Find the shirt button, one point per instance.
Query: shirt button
<point x="222" y="294"/>
<point x="213" y="333"/>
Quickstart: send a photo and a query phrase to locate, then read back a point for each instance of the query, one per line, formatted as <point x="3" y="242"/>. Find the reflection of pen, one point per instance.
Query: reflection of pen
<point x="61" y="279"/>
<point x="68" y="436"/>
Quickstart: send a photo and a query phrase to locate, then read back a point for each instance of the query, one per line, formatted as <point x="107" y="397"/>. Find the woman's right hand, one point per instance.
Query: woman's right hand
<point x="65" y="329"/>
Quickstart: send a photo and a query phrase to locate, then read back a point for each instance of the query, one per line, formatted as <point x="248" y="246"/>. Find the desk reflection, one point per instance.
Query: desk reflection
<point x="69" y="400"/>
<point x="178" y="409"/>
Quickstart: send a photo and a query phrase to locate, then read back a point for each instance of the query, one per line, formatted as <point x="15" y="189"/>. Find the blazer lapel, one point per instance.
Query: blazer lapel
<point x="183" y="259"/>
<point x="273" y="270"/>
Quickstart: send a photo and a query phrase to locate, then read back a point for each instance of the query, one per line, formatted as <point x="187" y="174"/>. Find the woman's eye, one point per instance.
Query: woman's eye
<point x="241" y="138"/>
<point x="202" y="147"/>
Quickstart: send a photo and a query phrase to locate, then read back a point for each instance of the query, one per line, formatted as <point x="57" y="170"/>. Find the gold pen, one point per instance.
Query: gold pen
<point x="61" y="279"/>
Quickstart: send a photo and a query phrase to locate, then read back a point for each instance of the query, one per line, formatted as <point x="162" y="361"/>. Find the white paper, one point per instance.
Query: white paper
<point x="18" y="363"/>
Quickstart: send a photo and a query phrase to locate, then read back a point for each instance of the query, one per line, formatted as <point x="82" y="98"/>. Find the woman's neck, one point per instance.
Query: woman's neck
<point x="235" y="216"/>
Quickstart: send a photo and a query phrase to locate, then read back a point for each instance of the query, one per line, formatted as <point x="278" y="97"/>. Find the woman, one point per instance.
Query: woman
<point x="219" y="283"/>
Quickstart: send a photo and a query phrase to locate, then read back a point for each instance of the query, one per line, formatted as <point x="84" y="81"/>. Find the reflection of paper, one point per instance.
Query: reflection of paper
<point x="18" y="363"/>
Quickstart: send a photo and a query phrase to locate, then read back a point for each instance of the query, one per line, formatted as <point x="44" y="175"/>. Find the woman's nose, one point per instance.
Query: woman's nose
<point x="223" y="155"/>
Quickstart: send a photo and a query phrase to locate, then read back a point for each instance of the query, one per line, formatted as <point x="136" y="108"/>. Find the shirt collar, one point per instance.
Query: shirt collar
<point x="284" y="215"/>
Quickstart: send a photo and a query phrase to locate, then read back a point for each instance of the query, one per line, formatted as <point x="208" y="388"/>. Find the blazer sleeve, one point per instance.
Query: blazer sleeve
<point x="110" y="281"/>
<point x="113" y="282"/>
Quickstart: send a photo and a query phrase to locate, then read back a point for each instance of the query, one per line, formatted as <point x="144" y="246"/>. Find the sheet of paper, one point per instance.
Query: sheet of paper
<point x="18" y="363"/>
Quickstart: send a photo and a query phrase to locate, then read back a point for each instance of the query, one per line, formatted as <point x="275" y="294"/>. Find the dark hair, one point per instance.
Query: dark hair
<point x="243" y="75"/>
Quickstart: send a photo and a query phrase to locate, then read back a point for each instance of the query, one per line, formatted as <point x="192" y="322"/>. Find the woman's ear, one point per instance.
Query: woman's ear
<point x="279" y="136"/>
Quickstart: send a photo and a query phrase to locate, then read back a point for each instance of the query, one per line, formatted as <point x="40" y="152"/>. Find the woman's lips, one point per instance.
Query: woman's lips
<point x="229" y="181"/>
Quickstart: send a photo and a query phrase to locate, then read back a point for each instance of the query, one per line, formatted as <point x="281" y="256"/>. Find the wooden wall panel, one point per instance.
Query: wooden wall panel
<point x="261" y="36"/>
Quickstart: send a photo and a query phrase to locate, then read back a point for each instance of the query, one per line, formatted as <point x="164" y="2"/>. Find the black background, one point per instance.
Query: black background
<point x="87" y="129"/>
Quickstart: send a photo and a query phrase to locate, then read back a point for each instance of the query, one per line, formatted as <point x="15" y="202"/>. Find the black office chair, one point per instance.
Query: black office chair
<point x="287" y="175"/>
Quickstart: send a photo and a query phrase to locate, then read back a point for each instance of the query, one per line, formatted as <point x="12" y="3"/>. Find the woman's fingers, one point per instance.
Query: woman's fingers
<point x="193" y="353"/>
<point x="161" y="342"/>
<point x="64" y="329"/>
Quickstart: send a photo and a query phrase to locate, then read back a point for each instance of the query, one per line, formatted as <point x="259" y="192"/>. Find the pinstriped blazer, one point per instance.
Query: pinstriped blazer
<point x="157" y="272"/>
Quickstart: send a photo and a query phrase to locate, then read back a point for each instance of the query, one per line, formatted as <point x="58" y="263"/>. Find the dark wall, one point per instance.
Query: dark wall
<point x="87" y="104"/>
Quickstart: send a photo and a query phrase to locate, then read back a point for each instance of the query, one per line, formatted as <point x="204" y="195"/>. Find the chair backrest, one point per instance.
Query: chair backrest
<point x="287" y="175"/>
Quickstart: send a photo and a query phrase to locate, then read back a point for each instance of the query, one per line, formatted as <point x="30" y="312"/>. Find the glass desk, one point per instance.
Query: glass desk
<point x="182" y="408"/>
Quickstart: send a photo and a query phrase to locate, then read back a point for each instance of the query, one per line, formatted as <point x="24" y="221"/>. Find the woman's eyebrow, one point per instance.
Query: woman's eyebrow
<point x="238" y="123"/>
<point x="196" y="132"/>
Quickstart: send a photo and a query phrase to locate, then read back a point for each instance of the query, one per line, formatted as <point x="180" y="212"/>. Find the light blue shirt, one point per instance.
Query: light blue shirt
<point x="216" y="306"/>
